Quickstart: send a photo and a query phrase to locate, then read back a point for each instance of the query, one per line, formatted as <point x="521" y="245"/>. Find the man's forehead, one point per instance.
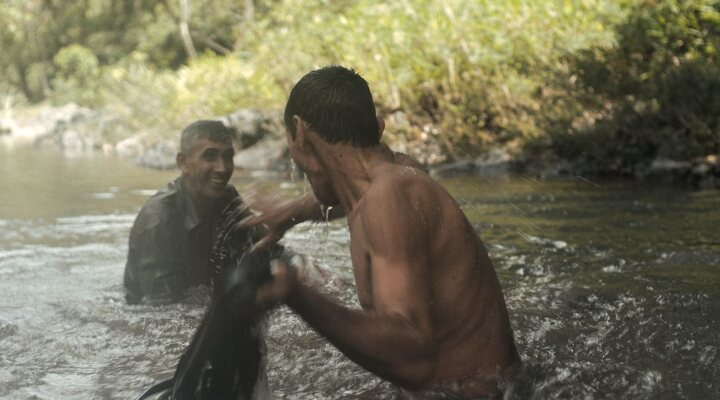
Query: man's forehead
<point x="205" y="143"/>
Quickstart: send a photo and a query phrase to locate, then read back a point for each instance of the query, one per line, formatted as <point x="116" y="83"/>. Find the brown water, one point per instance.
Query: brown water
<point x="613" y="287"/>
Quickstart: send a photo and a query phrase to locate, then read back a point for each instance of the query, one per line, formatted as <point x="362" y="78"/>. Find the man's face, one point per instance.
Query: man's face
<point x="208" y="168"/>
<point x="308" y="163"/>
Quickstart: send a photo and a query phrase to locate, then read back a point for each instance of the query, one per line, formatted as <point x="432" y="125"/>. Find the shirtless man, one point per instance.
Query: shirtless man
<point x="433" y="315"/>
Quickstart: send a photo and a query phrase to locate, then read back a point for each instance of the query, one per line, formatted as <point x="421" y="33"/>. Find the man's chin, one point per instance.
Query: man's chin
<point x="215" y="192"/>
<point x="326" y="201"/>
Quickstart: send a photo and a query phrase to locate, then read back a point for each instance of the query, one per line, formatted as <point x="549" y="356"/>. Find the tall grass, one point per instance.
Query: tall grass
<point x="468" y="74"/>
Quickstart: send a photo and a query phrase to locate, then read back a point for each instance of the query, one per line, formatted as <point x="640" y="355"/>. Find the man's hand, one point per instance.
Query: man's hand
<point x="284" y="282"/>
<point x="271" y="215"/>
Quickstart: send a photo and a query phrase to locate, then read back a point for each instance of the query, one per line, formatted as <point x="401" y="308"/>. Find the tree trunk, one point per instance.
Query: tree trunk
<point x="185" y="30"/>
<point x="25" y="86"/>
<point x="249" y="12"/>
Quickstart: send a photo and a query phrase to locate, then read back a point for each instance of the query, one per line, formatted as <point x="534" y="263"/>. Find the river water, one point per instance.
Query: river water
<point x="613" y="287"/>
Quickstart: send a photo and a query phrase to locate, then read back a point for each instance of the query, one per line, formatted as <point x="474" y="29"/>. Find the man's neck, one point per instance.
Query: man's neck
<point x="204" y="207"/>
<point x="351" y="170"/>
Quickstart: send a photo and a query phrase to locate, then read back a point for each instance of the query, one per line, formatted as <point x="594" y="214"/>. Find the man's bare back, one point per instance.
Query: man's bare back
<point x="417" y="255"/>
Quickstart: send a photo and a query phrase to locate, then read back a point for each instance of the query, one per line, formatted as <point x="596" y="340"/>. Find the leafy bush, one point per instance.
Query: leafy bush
<point x="77" y="75"/>
<point x="472" y="70"/>
<point x="467" y="74"/>
<point x="655" y="94"/>
<point x="165" y="101"/>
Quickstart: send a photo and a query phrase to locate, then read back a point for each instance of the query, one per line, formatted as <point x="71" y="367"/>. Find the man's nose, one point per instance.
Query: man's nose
<point x="223" y="165"/>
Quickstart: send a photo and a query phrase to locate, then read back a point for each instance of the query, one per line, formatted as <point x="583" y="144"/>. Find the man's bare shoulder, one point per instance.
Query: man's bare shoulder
<point x="412" y="198"/>
<point x="406" y="160"/>
<point x="401" y="191"/>
<point x="401" y="179"/>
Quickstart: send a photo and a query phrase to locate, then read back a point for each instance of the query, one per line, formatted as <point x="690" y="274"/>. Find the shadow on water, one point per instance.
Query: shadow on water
<point x="613" y="288"/>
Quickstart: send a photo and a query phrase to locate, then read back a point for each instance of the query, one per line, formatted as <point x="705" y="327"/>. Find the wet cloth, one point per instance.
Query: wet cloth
<point x="225" y="359"/>
<point x="170" y="246"/>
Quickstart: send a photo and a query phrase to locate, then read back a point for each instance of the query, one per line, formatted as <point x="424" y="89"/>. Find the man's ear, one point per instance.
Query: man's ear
<point x="180" y="159"/>
<point x="381" y="126"/>
<point x="301" y="130"/>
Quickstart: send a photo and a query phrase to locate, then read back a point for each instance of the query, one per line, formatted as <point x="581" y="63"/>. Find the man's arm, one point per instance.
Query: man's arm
<point x="277" y="217"/>
<point x="153" y="273"/>
<point x="388" y="344"/>
<point x="280" y="217"/>
<point x="395" y="338"/>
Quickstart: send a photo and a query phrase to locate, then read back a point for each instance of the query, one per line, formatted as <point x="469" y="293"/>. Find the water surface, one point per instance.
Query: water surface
<point x="613" y="287"/>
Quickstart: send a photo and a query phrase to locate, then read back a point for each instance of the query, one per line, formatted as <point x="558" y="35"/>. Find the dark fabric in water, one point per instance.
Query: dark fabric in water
<point x="223" y="360"/>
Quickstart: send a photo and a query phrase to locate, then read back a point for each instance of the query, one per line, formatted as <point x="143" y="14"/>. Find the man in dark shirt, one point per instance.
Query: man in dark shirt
<point x="171" y="239"/>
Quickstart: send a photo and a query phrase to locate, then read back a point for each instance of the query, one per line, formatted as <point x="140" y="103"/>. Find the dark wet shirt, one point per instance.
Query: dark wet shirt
<point x="169" y="246"/>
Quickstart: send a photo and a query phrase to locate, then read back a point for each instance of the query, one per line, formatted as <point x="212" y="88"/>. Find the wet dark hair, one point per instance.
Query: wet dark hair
<point x="337" y="103"/>
<point x="213" y="130"/>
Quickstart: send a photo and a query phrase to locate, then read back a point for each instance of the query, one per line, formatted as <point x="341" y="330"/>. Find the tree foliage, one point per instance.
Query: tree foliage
<point x="655" y="93"/>
<point x="605" y="83"/>
<point x="38" y="30"/>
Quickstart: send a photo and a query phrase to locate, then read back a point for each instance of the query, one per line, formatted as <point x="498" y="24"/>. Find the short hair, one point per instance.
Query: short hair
<point x="213" y="130"/>
<point x="337" y="104"/>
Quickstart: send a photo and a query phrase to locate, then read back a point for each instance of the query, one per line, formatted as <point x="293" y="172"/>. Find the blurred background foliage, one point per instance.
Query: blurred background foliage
<point x="654" y="94"/>
<point x="608" y="85"/>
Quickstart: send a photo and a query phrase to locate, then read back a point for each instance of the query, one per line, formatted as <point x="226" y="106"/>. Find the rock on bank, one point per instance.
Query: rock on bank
<point x="75" y="130"/>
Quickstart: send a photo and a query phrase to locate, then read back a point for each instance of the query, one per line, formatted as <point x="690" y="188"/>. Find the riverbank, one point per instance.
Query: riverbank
<point x="591" y="88"/>
<point x="76" y="131"/>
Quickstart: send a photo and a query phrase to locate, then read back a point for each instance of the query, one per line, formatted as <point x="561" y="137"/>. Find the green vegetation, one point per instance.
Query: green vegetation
<point x="655" y="94"/>
<point x="609" y="85"/>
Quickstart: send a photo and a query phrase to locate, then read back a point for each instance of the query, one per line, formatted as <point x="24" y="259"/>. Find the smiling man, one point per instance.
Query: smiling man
<point x="171" y="239"/>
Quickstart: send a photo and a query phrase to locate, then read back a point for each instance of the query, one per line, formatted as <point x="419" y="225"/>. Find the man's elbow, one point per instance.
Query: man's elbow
<point x="418" y="372"/>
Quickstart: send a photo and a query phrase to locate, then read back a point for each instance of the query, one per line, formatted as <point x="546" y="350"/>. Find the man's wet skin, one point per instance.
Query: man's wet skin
<point x="433" y="308"/>
<point x="421" y="239"/>
<point x="433" y="314"/>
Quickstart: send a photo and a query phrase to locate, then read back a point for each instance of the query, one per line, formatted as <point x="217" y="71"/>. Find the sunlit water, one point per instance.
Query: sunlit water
<point x="613" y="288"/>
